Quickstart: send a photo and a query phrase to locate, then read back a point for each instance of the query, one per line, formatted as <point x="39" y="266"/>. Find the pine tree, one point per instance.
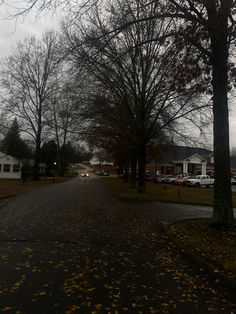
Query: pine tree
<point x="13" y="144"/>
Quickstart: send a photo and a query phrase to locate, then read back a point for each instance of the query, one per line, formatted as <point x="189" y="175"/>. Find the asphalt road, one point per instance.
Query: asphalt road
<point x="73" y="248"/>
<point x="169" y="212"/>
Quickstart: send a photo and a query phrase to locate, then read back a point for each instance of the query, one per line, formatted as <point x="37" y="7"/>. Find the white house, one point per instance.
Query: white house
<point x="175" y="159"/>
<point x="10" y="167"/>
<point x="94" y="161"/>
<point x="193" y="162"/>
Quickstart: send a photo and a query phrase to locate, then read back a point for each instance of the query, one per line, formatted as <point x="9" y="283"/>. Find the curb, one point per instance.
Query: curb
<point x="199" y="261"/>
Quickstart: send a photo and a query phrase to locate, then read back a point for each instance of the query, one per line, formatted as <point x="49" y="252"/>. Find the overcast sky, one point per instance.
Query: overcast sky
<point x="30" y="25"/>
<point x="12" y="31"/>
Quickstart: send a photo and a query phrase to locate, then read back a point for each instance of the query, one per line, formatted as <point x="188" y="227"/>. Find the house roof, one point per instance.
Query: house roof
<point x="195" y="158"/>
<point x="3" y="156"/>
<point x="170" y="154"/>
<point x="174" y="152"/>
<point x="95" y="161"/>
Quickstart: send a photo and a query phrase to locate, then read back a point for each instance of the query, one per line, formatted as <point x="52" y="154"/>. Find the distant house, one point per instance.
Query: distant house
<point x="182" y="159"/>
<point x="30" y="163"/>
<point x="94" y="161"/>
<point x="10" y="167"/>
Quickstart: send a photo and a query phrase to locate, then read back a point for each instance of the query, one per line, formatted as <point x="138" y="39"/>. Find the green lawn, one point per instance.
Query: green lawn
<point x="163" y="193"/>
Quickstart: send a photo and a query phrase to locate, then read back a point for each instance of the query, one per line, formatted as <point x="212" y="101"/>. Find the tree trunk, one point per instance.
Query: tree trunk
<point x="62" y="163"/>
<point x="62" y="168"/>
<point x="133" y="162"/>
<point x="126" y="166"/>
<point x="37" y="160"/>
<point x="121" y="165"/>
<point x="222" y="210"/>
<point x="141" y="167"/>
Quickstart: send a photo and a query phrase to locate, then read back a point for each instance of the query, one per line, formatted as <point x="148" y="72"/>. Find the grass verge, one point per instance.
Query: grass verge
<point x="218" y="248"/>
<point x="163" y="193"/>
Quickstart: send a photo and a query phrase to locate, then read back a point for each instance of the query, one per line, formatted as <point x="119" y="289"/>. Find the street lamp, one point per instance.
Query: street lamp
<point x="54" y="172"/>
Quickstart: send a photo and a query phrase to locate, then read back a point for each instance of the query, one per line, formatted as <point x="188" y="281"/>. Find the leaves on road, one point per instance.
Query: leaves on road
<point x="97" y="256"/>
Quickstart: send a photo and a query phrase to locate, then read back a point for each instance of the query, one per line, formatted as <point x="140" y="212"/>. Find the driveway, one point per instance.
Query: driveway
<point x="169" y="212"/>
<point x="73" y="248"/>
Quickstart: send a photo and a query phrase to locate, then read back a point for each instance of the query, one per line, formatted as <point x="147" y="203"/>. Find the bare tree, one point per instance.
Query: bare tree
<point x="141" y="75"/>
<point x="63" y="118"/>
<point x="29" y="81"/>
<point x="213" y="24"/>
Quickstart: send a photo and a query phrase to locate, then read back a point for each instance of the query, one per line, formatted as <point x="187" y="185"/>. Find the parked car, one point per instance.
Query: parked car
<point x="102" y="173"/>
<point x="147" y="173"/>
<point x="105" y="173"/>
<point x="169" y="179"/>
<point x="152" y="177"/>
<point x="182" y="178"/>
<point x="162" y="178"/>
<point x="233" y="180"/>
<point x="200" y="180"/>
<point x="99" y="172"/>
<point x="179" y="176"/>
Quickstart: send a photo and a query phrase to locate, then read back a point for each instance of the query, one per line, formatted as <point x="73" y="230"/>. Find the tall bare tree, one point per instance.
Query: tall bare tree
<point x="213" y="24"/>
<point x="63" y="118"/>
<point x="29" y="79"/>
<point x="209" y="25"/>
<point x="140" y="72"/>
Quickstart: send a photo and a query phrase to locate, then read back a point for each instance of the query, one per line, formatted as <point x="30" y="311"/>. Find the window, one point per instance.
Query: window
<point x="16" y="168"/>
<point x="6" y="168"/>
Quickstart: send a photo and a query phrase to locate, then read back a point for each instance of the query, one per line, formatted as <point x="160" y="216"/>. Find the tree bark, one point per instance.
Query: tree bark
<point x="222" y="208"/>
<point x="37" y="159"/>
<point x="133" y="162"/>
<point x="61" y="161"/>
<point x="121" y="165"/>
<point x="141" y="167"/>
<point x="126" y="168"/>
<point x="62" y="167"/>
